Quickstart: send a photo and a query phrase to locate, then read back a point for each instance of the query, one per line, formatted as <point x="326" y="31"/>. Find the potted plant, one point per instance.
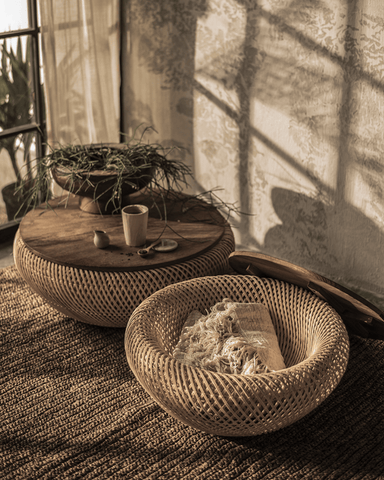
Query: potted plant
<point x="15" y="110"/>
<point x="104" y="175"/>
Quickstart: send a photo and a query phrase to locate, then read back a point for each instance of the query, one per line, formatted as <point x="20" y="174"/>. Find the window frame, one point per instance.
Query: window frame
<point x="33" y="31"/>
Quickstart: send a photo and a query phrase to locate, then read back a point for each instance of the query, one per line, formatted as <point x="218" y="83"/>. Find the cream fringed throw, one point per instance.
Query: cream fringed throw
<point x="70" y="408"/>
<point x="237" y="338"/>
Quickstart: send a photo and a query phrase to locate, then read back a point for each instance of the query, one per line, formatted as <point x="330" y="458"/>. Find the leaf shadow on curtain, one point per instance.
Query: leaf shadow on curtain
<point x="330" y="235"/>
<point x="291" y="81"/>
<point x="273" y="80"/>
<point x="158" y="68"/>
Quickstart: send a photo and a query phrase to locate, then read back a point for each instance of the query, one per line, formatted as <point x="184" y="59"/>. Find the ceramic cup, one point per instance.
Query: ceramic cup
<point x="100" y="239"/>
<point x="135" y="221"/>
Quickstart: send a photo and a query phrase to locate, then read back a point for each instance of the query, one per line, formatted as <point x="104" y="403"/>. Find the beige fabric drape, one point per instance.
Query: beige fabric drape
<point x="157" y="72"/>
<point x="81" y="43"/>
<point x="281" y="103"/>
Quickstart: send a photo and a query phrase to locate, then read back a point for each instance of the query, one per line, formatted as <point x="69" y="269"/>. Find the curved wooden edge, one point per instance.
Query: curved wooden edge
<point x="363" y="318"/>
<point x="64" y="236"/>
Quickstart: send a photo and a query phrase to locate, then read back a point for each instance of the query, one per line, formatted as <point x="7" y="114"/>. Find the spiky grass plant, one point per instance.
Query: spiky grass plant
<point x="130" y="165"/>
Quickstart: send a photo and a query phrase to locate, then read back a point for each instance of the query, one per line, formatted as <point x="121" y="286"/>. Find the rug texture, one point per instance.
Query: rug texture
<point x="71" y="408"/>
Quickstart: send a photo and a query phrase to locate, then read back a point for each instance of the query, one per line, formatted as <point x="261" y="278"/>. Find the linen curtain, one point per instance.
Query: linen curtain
<point x="80" y="44"/>
<point x="280" y="103"/>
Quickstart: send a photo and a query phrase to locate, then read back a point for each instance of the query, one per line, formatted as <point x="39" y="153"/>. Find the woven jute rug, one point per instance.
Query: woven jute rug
<point x="71" y="408"/>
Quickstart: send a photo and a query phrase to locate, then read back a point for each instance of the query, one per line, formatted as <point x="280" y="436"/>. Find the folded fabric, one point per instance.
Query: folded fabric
<point x="233" y="338"/>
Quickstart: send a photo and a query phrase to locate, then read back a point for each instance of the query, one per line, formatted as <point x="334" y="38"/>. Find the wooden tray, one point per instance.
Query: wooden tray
<point x="360" y="316"/>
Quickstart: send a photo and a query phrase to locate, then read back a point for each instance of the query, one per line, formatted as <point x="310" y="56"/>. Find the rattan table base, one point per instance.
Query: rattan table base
<point x="108" y="298"/>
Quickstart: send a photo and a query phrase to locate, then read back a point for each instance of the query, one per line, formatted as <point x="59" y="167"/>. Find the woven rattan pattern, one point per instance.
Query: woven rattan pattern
<point x="312" y="337"/>
<point x="71" y="408"/>
<point x="109" y="298"/>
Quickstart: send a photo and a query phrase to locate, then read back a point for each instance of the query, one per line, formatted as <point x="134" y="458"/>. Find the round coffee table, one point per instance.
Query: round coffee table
<point x="55" y="254"/>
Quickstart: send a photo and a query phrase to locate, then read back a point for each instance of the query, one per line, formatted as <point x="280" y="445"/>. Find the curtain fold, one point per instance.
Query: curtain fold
<point x="81" y="44"/>
<point x="158" y="70"/>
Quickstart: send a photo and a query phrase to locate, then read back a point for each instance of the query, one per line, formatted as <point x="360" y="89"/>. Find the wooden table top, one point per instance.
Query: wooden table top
<point x="64" y="235"/>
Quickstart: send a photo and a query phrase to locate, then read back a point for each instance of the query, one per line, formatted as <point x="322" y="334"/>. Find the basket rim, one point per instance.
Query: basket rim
<point x="234" y="404"/>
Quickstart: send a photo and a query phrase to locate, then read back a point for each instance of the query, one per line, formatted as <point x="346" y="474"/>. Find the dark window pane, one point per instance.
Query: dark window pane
<point x="16" y="107"/>
<point x="17" y="155"/>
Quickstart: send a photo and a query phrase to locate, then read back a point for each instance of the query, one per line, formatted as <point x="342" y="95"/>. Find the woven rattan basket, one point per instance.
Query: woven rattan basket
<point x="312" y="338"/>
